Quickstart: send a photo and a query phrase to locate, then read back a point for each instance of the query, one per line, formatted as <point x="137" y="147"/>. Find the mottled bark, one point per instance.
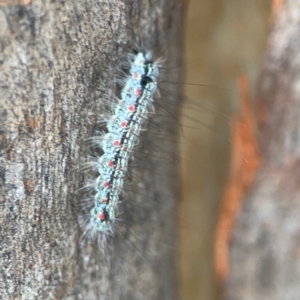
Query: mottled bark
<point x="264" y="254"/>
<point x="58" y="60"/>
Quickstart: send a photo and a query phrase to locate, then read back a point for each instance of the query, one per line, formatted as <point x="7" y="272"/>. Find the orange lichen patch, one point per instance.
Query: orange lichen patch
<point x="244" y="162"/>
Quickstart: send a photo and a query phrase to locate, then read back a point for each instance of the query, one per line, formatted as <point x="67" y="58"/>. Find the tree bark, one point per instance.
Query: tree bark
<point x="58" y="62"/>
<point x="264" y="252"/>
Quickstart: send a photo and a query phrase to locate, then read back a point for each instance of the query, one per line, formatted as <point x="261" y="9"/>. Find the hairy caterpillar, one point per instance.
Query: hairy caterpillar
<point x="123" y="130"/>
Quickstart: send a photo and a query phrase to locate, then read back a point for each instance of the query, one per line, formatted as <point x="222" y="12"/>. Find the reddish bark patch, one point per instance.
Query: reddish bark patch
<point x="244" y="163"/>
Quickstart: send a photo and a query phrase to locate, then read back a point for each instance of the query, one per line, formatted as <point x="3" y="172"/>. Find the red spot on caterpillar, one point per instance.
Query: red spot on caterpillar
<point x="104" y="200"/>
<point x="117" y="143"/>
<point x="110" y="163"/>
<point x="131" y="108"/>
<point x="101" y="216"/>
<point x="137" y="92"/>
<point x="106" y="184"/>
<point x="123" y="124"/>
<point x="135" y="76"/>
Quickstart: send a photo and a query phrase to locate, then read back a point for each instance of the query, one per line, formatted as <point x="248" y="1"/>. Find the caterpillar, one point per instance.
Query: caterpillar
<point x="122" y="135"/>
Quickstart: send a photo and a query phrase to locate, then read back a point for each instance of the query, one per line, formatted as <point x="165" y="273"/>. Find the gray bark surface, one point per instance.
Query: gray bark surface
<point x="264" y="252"/>
<point x="58" y="62"/>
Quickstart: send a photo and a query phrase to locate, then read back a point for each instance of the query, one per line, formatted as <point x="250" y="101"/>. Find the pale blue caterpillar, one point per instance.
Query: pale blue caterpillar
<point x="123" y="130"/>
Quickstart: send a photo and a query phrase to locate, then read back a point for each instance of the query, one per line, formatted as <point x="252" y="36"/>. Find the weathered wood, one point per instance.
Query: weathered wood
<point x="264" y="254"/>
<point x="57" y="61"/>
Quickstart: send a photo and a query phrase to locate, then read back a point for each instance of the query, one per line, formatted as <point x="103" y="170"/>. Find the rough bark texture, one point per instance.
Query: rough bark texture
<point x="264" y="255"/>
<point x="58" y="60"/>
